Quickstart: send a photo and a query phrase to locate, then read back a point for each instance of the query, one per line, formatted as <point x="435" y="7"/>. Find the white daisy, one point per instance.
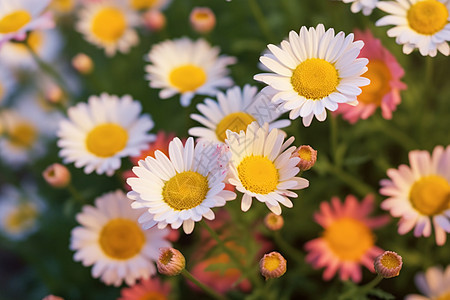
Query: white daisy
<point x="181" y="189"/>
<point x="262" y="166"/>
<point x="45" y="43"/>
<point x="20" y="138"/>
<point x="20" y="16"/>
<point x="315" y="71"/>
<point x="149" y="4"/>
<point x="366" y="6"/>
<point x="434" y="284"/>
<point x="19" y="211"/>
<point x="99" y="133"/>
<point x="187" y="67"/>
<point x="422" y="24"/>
<point x="235" y="110"/>
<point x="421" y="193"/>
<point x="109" y="25"/>
<point x="111" y="240"/>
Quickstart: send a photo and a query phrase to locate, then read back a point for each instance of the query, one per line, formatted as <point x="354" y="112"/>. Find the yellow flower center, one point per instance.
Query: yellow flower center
<point x="23" y="135"/>
<point x="380" y="76"/>
<point x="235" y="122"/>
<point x="166" y="257"/>
<point x="271" y="262"/>
<point x="390" y="261"/>
<point x="430" y="195"/>
<point x="185" y="190"/>
<point x="349" y="238"/>
<point x="445" y="296"/>
<point x="14" y="21"/>
<point x="153" y="295"/>
<point x="143" y="4"/>
<point x="305" y="153"/>
<point x="258" y="174"/>
<point x="62" y="5"/>
<point x="187" y="78"/>
<point x="21" y="218"/>
<point x="121" y="239"/>
<point x="315" y="78"/>
<point x="427" y="17"/>
<point x="109" y="24"/>
<point x="105" y="140"/>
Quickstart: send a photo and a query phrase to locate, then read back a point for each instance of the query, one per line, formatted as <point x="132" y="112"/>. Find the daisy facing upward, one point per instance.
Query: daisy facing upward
<point x="183" y="188"/>
<point x="234" y="110"/>
<point x="186" y="67"/>
<point x="313" y="71"/>
<point x="109" y="25"/>
<point x="262" y="167"/>
<point x="420" y="194"/>
<point x="99" y="133"/>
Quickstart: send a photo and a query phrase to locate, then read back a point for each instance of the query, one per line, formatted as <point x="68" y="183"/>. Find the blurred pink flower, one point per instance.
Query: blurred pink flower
<point x="385" y="85"/>
<point x="151" y="288"/>
<point x="347" y="241"/>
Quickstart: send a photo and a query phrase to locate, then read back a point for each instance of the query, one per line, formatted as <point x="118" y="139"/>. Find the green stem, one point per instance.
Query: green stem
<point x="397" y="135"/>
<point x="47" y="68"/>
<point x="261" y="20"/>
<point x="205" y="288"/>
<point x="363" y="290"/>
<point x="236" y="261"/>
<point x="334" y="139"/>
<point x="354" y="182"/>
<point x="75" y="194"/>
<point x="291" y="251"/>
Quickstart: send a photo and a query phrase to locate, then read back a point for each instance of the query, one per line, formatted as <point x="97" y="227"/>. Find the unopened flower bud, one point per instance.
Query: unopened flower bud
<point x="82" y="63"/>
<point x="388" y="264"/>
<point x="202" y="19"/>
<point x="54" y="94"/>
<point x="272" y="265"/>
<point x="307" y="155"/>
<point x="52" y="297"/>
<point x="57" y="175"/>
<point x="273" y="221"/>
<point x="154" y="20"/>
<point x="170" y="262"/>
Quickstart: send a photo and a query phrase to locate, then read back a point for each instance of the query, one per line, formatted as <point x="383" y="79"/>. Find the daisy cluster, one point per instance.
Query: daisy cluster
<point x="137" y="147"/>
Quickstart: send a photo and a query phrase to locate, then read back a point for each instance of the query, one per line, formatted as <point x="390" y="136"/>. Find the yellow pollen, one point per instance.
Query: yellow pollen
<point x="121" y="239"/>
<point x="200" y="16"/>
<point x="153" y="295"/>
<point x="105" y="140"/>
<point x="166" y="257"/>
<point x="445" y="296"/>
<point x="348" y="238"/>
<point x="143" y="4"/>
<point x="109" y="24"/>
<point x="305" y="154"/>
<point x="315" y="78"/>
<point x="390" y="261"/>
<point x="427" y="17"/>
<point x="14" y="21"/>
<point x="430" y="195"/>
<point x="187" y="78"/>
<point x="23" y="135"/>
<point x="271" y="263"/>
<point x="62" y="5"/>
<point x="258" y="174"/>
<point x="235" y="122"/>
<point x="21" y="218"/>
<point x="185" y="190"/>
<point x="380" y="76"/>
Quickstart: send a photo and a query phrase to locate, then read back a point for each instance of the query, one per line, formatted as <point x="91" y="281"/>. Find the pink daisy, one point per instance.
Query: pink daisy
<point x="421" y="193"/>
<point x="151" y="288"/>
<point x="347" y="241"/>
<point x="385" y="85"/>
